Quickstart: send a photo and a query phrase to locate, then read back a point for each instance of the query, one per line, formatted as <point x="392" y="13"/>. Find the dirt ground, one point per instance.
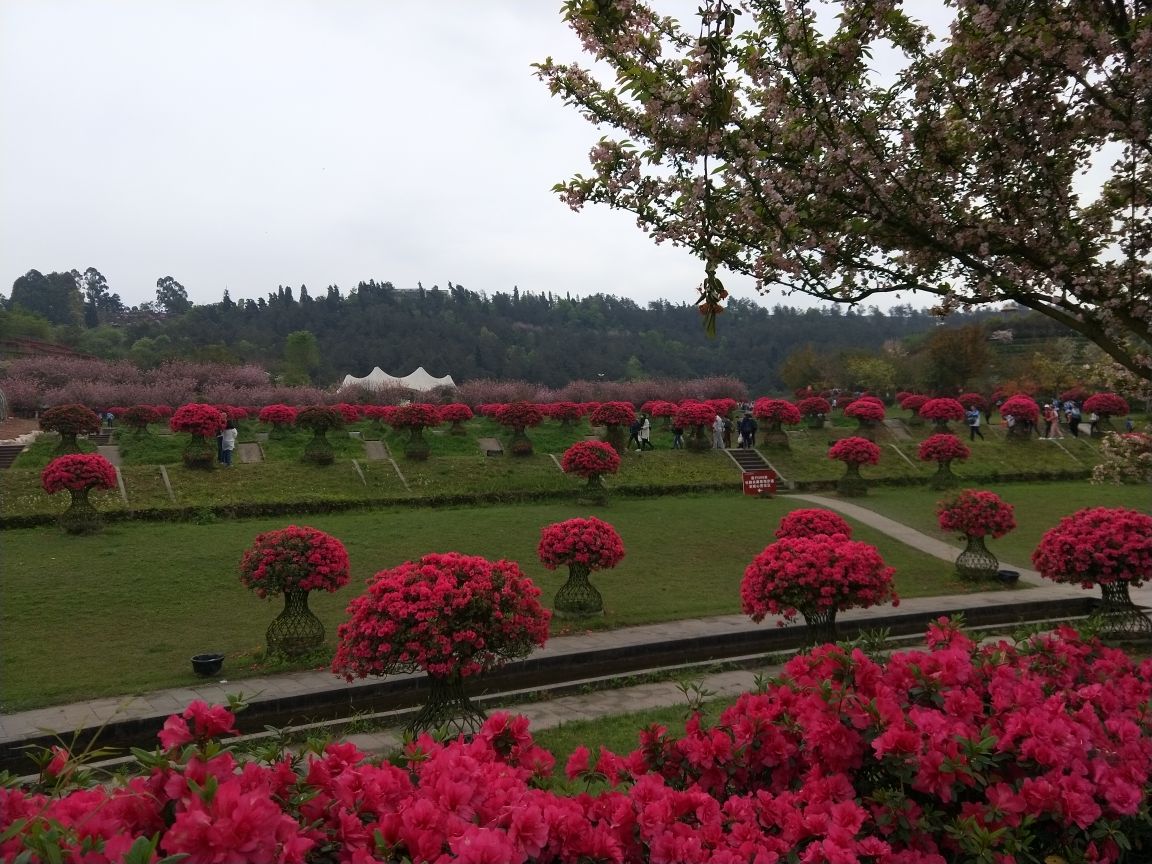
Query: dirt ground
<point x="15" y="426"/>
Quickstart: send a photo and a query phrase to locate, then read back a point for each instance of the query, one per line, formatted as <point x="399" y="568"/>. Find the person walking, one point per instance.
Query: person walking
<point x="677" y="437"/>
<point x="645" y="436"/>
<point x="1074" y="419"/>
<point x="228" y="444"/>
<point x="718" y="433"/>
<point x="634" y="434"/>
<point x="973" y="418"/>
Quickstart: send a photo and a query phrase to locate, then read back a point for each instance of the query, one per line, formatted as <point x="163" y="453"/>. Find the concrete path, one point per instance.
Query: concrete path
<point x="111" y="452"/>
<point x="249" y="453"/>
<point x="374" y="450"/>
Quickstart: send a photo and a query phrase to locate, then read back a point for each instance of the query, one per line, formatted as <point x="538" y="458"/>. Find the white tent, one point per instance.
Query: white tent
<point x="418" y="380"/>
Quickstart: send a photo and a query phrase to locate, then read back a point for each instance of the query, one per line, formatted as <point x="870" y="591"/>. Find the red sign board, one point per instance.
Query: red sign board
<point x="762" y="482"/>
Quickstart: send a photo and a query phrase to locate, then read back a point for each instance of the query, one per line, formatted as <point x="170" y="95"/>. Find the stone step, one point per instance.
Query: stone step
<point x="748" y="459"/>
<point x="8" y="454"/>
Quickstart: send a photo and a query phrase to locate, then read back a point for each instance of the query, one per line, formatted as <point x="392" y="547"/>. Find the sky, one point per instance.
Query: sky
<point x="245" y="144"/>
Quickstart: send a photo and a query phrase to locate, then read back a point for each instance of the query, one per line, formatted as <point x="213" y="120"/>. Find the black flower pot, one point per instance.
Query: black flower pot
<point x="207" y="665"/>
<point x="1008" y="576"/>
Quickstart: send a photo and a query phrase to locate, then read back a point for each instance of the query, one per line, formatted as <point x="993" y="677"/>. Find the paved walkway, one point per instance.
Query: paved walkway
<point x="64" y="718"/>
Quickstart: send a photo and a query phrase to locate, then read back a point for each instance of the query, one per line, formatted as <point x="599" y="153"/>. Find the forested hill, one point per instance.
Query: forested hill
<point x="539" y="338"/>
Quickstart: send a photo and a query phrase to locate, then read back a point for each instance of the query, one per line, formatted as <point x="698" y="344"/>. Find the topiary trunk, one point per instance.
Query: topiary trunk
<point x="319" y="450"/>
<point x="852" y="485"/>
<point x="944" y="478"/>
<point x="416" y="448"/>
<point x="81" y="517"/>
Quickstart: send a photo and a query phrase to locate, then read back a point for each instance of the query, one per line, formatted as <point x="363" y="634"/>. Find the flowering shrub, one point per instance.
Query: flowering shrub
<point x="973" y="400"/>
<point x="590" y="459"/>
<point x="1097" y="545"/>
<point x="776" y="412"/>
<point x="942" y="447"/>
<point x="613" y="414"/>
<point x="566" y="413"/>
<point x="380" y="413"/>
<point x="960" y="752"/>
<point x="1124" y="458"/>
<point x="811" y="574"/>
<point x="278" y="415"/>
<point x="814" y="520"/>
<point x="590" y="543"/>
<point x="415" y="415"/>
<point x="1074" y="394"/>
<point x="976" y="513"/>
<point x="941" y="411"/>
<point x="694" y="414"/>
<point x="814" y="406"/>
<point x="70" y="421"/>
<point x="77" y="471"/>
<point x="913" y="402"/>
<point x="519" y="415"/>
<point x="139" y="417"/>
<point x="855" y="451"/>
<point x="455" y="413"/>
<point x="296" y="558"/>
<point x="1106" y="405"/>
<point x="723" y="406"/>
<point x="348" y="413"/>
<point x="319" y="419"/>
<point x="447" y="614"/>
<point x="865" y="410"/>
<point x="1020" y="407"/>
<point x="198" y="419"/>
<point x="658" y="408"/>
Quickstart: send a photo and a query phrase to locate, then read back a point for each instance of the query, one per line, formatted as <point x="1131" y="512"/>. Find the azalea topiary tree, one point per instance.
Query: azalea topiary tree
<point x="1020" y="412"/>
<point x="583" y="545"/>
<point x="1106" y="406"/>
<point x="775" y="413"/>
<point x="294" y="561"/>
<point x="591" y="460"/>
<point x="1106" y="546"/>
<point x="943" y="449"/>
<point x="449" y="615"/>
<point x="456" y="413"/>
<point x="697" y="418"/>
<point x="139" y="417"/>
<point x="567" y="414"/>
<point x="853" y="451"/>
<point x="815" y="576"/>
<point x="380" y="415"/>
<point x="616" y="417"/>
<point x="941" y="412"/>
<point x="79" y="474"/>
<point x="201" y="423"/>
<point x="519" y="416"/>
<point x="280" y="417"/>
<point x="319" y="420"/>
<point x="912" y="403"/>
<point x="349" y="413"/>
<point x="975" y="514"/>
<point x="809" y="521"/>
<point x="814" y="409"/>
<point x="660" y="408"/>
<point x="68" y="421"/>
<point x="415" y="417"/>
<point x="868" y="413"/>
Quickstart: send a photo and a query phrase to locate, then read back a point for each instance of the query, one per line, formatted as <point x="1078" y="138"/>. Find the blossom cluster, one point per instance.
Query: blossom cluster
<point x="814" y="520"/>
<point x="913" y="402"/>
<point x="198" y="419"/>
<point x="519" y="415"/>
<point x="942" y="410"/>
<point x="278" y="415"/>
<point x="1020" y="407"/>
<point x="613" y="414"/>
<point x="414" y="415"/>
<point x="318" y="418"/>
<point x="348" y="413"/>
<point x="814" y="574"/>
<point x="296" y="558"/>
<point x="866" y="409"/>
<point x="457" y="412"/>
<point x="1097" y="545"/>
<point x="776" y="411"/>
<point x="813" y="406"/>
<point x="942" y="447"/>
<point x="855" y="450"/>
<point x="972" y="400"/>
<point x="976" y="513"/>
<point x="694" y="414"/>
<point x="1124" y="457"/>
<point x="1106" y="404"/>
<point x="564" y="412"/>
<point x="446" y="614"/>
<point x="590" y="543"/>
<point x="956" y="752"/>
<point x="78" y="471"/>
<point x="140" y="416"/>
<point x="590" y="458"/>
<point x="70" y="420"/>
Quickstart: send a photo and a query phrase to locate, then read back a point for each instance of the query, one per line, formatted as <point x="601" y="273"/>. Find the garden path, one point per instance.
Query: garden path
<point x="247" y="453"/>
<point x="111" y="452"/>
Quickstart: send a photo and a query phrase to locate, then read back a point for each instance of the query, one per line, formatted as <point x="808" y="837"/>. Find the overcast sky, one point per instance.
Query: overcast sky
<point x="250" y="143"/>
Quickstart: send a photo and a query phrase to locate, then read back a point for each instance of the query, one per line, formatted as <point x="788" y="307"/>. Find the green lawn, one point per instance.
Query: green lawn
<point x="121" y="612"/>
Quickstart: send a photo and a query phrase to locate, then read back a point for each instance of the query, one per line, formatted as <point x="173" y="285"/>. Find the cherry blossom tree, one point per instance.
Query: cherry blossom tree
<point x="772" y="144"/>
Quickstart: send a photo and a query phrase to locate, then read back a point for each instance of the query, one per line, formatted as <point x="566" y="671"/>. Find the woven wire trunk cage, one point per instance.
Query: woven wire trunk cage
<point x="81" y="517"/>
<point x="1120" y="617"/>
<point x="819" y="626"/>
<point x="416" y="448"/>
<point x="199" y="453"/>
<point x="296" y="630"/>
<point x="448" y="711"/>
<point x="944" y="478"/>
<point x="577" y="597"/>
<point x="976" y="563"/>
<point x="67" y="444"/>
<point x="319" y="451"/>
<point x="521" y="444"/>
<point x="852" y="485"/>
